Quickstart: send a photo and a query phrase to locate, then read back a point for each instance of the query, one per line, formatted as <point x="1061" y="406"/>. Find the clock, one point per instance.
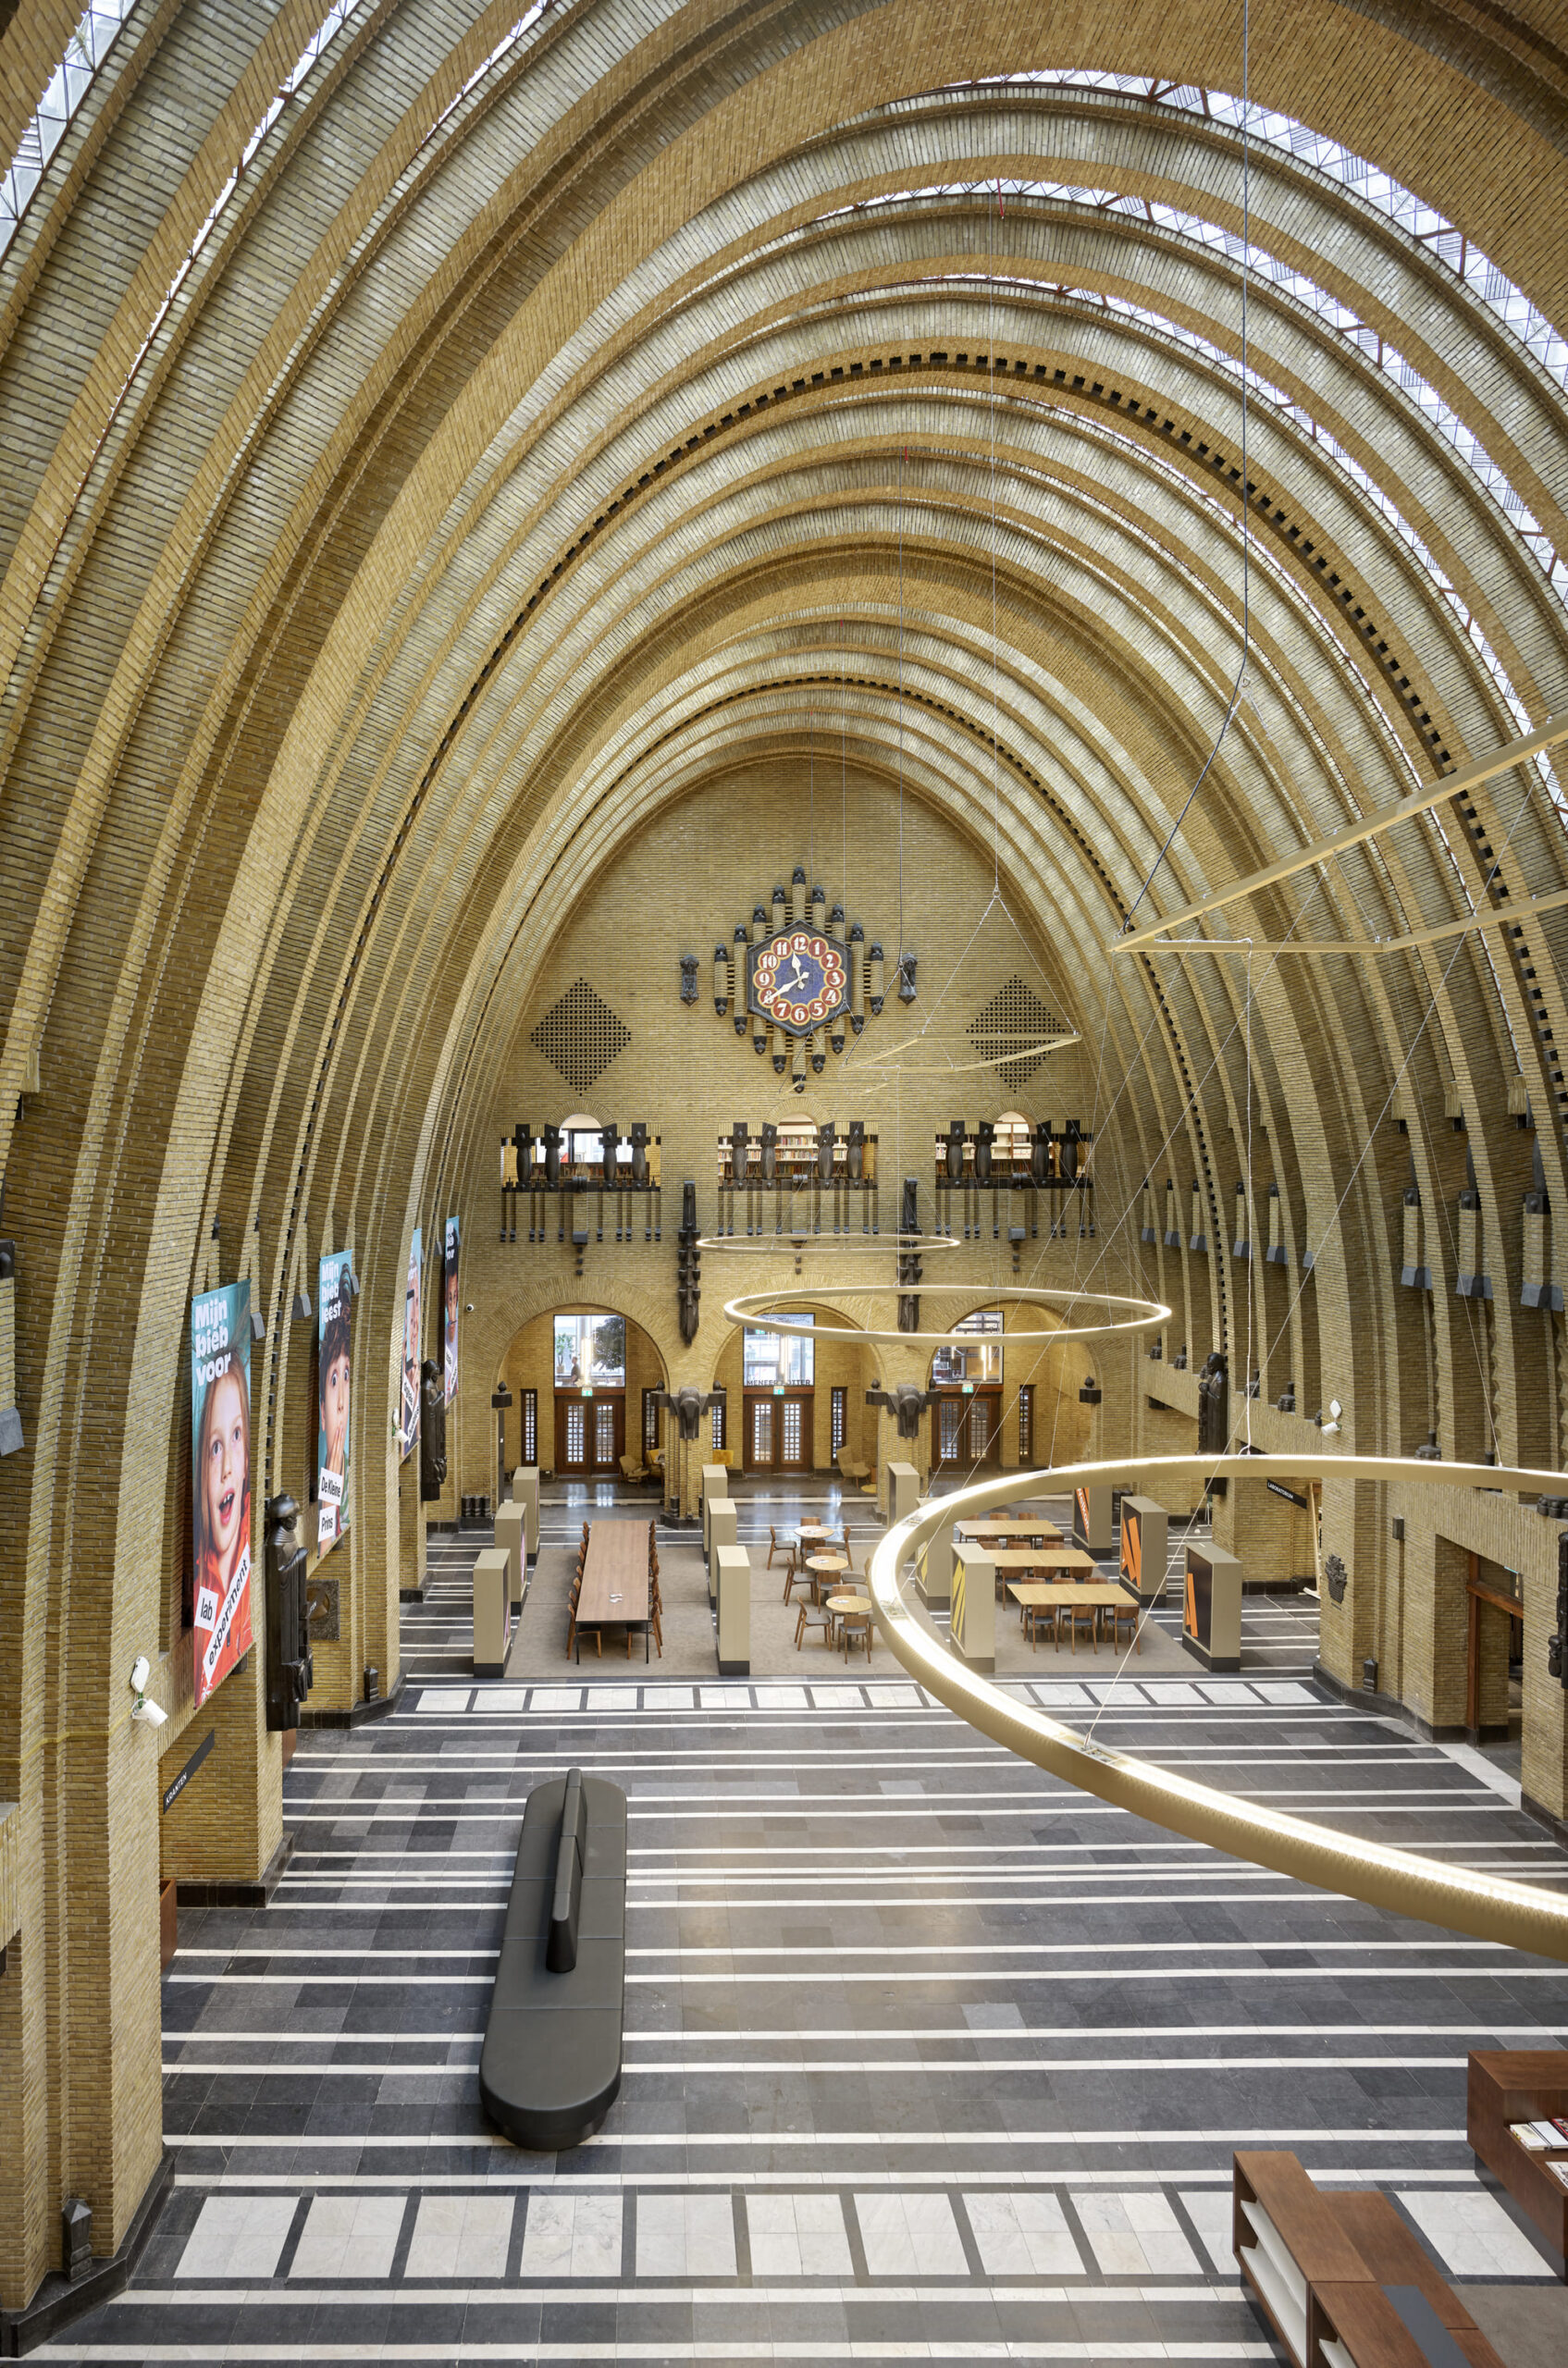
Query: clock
<point x="797" y="978"/>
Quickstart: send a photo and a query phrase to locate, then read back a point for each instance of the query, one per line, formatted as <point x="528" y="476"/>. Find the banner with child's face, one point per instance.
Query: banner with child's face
<point x="449" y="1303"/>
<point x="334" y="1367"/>
<point x="220" y="1472"/>
<point x="409" y="1404"/>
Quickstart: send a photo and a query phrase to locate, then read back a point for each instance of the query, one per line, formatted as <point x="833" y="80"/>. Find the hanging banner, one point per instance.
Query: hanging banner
<point x="409" y="1404"/>
<point x="448" y="1280"/>
<point x="335" y="1365"/>
<point x="220" y="1476"/>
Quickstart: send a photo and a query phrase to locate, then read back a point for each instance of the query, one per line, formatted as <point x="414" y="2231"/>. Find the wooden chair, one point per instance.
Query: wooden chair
<point x="1126" y="1614"/>
<point x="809" y="1616"/>
<point x="777" y="1545"/>
<point x="855" y="1627"/>
<point x="1083" y="1619"/>
<point x="796" y="1576"/>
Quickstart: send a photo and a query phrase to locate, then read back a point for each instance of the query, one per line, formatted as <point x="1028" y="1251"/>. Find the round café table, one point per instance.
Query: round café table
<point x="823" y="1569"/>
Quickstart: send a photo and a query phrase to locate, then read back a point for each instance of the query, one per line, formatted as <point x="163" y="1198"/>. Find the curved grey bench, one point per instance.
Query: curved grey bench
<point x="550" y="2068"/>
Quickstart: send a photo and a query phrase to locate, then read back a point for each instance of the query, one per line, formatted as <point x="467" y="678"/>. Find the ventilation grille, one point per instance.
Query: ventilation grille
<point x="1014" y="1015"/>
<point x="580" y="1036"/>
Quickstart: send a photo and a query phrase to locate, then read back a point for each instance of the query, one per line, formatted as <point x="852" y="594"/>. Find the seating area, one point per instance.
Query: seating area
<point x="1057" y="1587"/>
<point x="835" y="1604"/>
<point x="615" y="1589"/>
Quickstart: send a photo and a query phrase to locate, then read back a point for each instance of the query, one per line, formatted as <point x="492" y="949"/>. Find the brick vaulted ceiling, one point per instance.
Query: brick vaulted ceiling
<point x="544" y="419"/>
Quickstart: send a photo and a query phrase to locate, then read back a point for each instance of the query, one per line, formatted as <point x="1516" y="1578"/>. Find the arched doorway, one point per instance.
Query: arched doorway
<point x="966" y="1415"/>
<point x="796" y="1403"/>
<point x="584" y="1379"/>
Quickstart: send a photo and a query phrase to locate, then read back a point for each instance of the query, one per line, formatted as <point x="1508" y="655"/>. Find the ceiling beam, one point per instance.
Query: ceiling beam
<point x="1501" y="761"/>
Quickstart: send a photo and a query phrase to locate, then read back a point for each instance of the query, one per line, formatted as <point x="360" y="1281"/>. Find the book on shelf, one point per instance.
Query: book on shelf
<point x="1541" y="2137"/>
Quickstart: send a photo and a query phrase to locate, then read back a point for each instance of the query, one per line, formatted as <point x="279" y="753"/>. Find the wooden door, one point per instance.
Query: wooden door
<point x="590" y="1433"/>
<point x="778" y="1432"/>
<point x="967" y="1431"/>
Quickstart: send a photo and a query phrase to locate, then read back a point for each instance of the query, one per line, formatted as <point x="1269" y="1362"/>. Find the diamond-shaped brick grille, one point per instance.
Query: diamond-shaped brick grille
<point x="580" y="1036"/>
<point x="1014" y="1015"/>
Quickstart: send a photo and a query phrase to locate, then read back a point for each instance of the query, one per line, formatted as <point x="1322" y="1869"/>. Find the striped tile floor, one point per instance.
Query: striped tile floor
<point x="928" y="2055"/>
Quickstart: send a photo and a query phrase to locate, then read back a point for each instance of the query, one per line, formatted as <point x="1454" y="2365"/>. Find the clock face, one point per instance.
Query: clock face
<point x="798" y="980"/>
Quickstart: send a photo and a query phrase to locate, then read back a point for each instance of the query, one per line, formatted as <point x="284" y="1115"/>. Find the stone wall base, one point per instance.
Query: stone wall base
<point x="196" y="1892"/>
<point x="357" y="1713"/>
<point x="58" y="2301"/>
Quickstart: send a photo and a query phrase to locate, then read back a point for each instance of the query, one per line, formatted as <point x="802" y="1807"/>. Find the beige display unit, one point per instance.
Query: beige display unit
<point x="903" y="1491"/>
<point x="526" y="1492"/>
<point x="1211" y="1609"/>
<point x="733" y="1578"/>
<point x="973" y="1633"/>
<point x="1145" y="1544"/>
<point x="1092" y="1525"/>
<point x="492" y="1611"/>
<point x="722" y="1513"/>
<point x="509" y="1537"/>
<point x="715" y="1484"/>
<point x="934" y="1580"/>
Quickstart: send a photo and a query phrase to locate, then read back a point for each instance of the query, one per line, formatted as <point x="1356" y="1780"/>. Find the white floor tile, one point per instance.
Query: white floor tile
<point x="572" y="2235"/>
<point x="1135" y="2234"/>
<point x="910" y="2236"/>
<point x="797" y="2236"/>
<point x="237" y="2236"/>
<point x="1472" y="2235"/>
<point x="781" y="1698"/>
<point x="1285" y="1689"/>
<point x="686" y="2235"/>
<point x="666" y="1697"/>
<point x="892" y="1698"/>
<point x="1170" y="1690"/>
<point x="1062" y="1697"/>
<point x="493" y="1699"/>
<point x="612" y="1698"/>
<point x="444" y="1701"/>
<point x="461" y="2235"/>
<point x="349" y="2236"/>
<point x="1023" y="2236"/>
<point x="727" y="1697"/>
<point x="556" y="1697"/>
<point x="1209" y="2209"/>
<point x="1227" y="1690"/>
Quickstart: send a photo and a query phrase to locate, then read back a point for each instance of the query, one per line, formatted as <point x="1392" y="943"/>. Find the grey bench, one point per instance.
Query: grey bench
<point x="550" y="2067"/>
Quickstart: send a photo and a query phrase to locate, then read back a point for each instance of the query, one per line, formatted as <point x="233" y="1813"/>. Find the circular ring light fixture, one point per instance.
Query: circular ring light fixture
<point x="802" y="1245"/>
<point x="760" y="1311"/>
<point x="1513" y="1915"/>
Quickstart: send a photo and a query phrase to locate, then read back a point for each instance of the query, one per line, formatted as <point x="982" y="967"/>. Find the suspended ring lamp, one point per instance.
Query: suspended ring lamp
<point x="760" y="1311"/>
<point x="958" y="1069"/>
<point x="800" y="1245"/>
<point x="1514" y="1914"/>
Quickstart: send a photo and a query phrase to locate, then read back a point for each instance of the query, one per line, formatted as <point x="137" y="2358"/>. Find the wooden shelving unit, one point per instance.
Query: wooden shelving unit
<point x="1340" y="2280"/>
<point x="1510" y="2085"/>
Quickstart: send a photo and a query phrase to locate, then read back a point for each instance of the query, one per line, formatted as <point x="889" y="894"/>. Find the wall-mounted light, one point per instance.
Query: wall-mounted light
<point x="1332" y="1425"/>
<point x="301" y="1307"/>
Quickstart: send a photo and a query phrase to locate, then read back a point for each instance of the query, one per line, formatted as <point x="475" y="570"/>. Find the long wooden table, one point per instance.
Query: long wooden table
<point x="615" y="1591"/>
<point x="1008" y="1528"/>
<point x="1043" y="1558"/>
<point x="1067" y="1596"/>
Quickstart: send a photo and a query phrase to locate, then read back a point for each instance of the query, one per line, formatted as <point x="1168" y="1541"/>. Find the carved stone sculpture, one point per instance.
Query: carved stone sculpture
<point x="432" y="1433"/>
<point x="905" y="1403"/>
